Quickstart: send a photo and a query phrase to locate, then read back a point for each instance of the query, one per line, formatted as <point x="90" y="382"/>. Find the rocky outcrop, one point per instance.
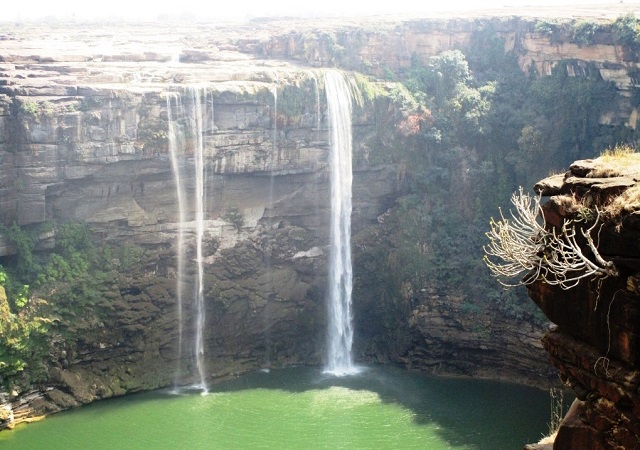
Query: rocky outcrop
<point x="449" y="336"/>
<point x="595" y="345"/>
<point x="84" y="137"/>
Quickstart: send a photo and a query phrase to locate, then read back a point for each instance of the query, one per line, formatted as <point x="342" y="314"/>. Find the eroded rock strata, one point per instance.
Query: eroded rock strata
<point x="595" y="344"/>
<point x="83" y="137"/>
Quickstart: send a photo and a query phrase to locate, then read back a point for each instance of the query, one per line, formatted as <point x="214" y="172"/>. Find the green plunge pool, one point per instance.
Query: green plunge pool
<point x="301" y="408"/>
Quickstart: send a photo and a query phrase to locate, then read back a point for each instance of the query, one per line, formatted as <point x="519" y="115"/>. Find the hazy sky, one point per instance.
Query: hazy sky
<point x="92" y="9"/>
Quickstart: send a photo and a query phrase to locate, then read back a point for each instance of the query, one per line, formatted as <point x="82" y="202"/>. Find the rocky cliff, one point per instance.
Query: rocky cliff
<point x="595" y="343"/>
<point x="84" y="136"/>
<point x="392" y="47"/>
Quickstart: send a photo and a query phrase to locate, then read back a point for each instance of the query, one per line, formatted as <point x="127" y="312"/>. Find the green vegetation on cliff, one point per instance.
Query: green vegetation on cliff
<point x="625" y="31"/>
<point x="477" y="128"/>
<point x="52" y="299"/>
<point x="22" y="332"/>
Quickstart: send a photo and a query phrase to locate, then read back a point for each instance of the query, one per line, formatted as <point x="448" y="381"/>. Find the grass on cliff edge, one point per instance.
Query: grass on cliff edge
<point x="621" y="160"/>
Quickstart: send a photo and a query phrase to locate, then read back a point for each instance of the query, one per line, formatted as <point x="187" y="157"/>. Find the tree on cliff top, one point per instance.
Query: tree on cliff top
<point x="460" y="108"/>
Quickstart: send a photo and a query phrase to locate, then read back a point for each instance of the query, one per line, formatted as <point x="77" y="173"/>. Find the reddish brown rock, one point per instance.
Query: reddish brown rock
<point x="576" y="434"/>
<point x="596" y="347"/>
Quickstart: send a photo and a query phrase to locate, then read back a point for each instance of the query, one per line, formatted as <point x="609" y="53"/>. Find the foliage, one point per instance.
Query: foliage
<point x="568" y="109"/>
<point x="30" y="108"/>
<point x="440" y="77"/>
<point x="584" y="31"/>
<point x="24" y="243"/>
<point x="72" y="278"/>
<point x="34" y="109"/>
<point x="22" y="333"/>
<point x="487" y="56"/>
<point x="471" y="129"/>
<point x="626" y="30"/>
<point x="235" y="217"/>
<point x="129" y="256"/>
<point x="367" y="88"/>
<point x="550" y="28"/>
<point x="445" y="87"/>
<point x="297" y="98"/>
<point x="152" y="133"/>
<point x="542" y="124"/>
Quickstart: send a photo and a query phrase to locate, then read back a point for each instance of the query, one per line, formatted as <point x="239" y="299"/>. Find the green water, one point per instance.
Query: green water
<point x="300" y="408"/>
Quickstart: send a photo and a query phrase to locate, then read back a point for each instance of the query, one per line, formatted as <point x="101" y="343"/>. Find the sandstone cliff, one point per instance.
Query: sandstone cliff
<point x="392" y="46"/>
<point x="83" y="137"/>
<point x="595" y="344"/>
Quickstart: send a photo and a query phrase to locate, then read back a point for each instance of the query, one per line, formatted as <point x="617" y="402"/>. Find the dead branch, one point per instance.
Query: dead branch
<point x="522" y="244"/>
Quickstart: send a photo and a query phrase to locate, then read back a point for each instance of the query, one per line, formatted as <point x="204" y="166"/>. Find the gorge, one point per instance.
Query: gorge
<point x="199" y="165"/>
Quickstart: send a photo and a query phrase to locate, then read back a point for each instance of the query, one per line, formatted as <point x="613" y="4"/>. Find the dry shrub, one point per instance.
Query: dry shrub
<point x="626" y="203"/>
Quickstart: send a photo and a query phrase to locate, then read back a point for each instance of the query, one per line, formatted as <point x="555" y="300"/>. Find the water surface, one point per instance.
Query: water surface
<point x="302" y="408"/>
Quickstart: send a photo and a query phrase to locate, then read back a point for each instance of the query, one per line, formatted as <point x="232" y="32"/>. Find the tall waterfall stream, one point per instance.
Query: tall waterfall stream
<point x="194" y="118"/>
<point x="340" y="337"/>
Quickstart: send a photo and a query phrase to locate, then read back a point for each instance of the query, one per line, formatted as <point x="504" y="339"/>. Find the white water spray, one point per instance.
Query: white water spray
<point x="174" y="146"/>
<point x="340" y="336"/>
<point x="196" y="127"/>
<point x="269" y="249"/>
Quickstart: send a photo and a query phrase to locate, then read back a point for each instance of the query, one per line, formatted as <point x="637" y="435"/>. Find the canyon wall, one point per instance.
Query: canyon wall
<point x="84" y="137"/>
<point x="595" y="342"/>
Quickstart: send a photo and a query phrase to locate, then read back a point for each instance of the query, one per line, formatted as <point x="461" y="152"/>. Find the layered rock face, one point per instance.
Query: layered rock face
<point x="84" y="137"/>
<point x="595" y="345"/>
<point x="394" y="45"/>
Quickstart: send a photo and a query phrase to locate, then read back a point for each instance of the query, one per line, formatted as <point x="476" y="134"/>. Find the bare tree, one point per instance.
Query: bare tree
<point x="521" y="243"/>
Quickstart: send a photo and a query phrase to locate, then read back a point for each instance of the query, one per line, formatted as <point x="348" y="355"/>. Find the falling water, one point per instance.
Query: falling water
<point x="196" y="123"/>
<point x="340" y="336"/>
<point x="198" y="97"/>
<point x="318" y="114"/>
<point x="269" y="248"/>
<point x="174" y="146"/>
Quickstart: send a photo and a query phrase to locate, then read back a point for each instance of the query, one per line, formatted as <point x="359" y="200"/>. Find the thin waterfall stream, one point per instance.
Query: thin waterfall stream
<point x="194" y="115"/>
<point x="198" y="97"/>
<point x="340" y="334"/>
<point x="174" y="145"/>
<point x="194" y="118"/>
<point x="270" y="205"/>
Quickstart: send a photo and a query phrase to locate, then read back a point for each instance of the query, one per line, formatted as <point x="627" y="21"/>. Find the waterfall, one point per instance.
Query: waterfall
<point x="340" y="334"/>
<point x="198" y="97"/>
<point x="195" y="121"/>
<point x="174" y="146"/>
<point x="269" y="247"/>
